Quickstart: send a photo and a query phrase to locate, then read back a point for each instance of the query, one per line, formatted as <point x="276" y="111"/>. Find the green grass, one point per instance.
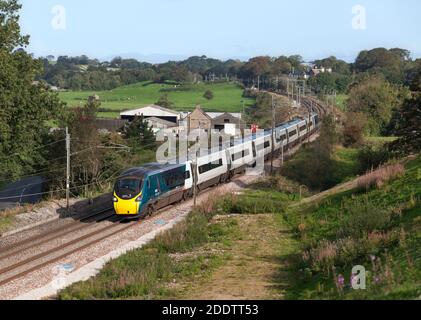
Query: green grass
<point x="342" y="167"/>
<point x="379" y="141"/>
<point x="346" y="164"/>
<point x="227" y="97"/>
<point x="192" y="249"/>
<point x="383" y="223"/>
<point x="341" y="101"/>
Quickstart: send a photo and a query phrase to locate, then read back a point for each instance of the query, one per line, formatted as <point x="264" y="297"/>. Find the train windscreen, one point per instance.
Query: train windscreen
<point x="128" y="188"/>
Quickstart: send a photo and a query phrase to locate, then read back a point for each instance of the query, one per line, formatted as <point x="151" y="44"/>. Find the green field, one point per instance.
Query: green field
<point x="227" y="97"/>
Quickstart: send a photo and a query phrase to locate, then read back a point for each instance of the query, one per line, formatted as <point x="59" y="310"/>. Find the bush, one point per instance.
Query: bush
<point x="209" y="95"/>
<point x="371" y="157"/>
<point x="363" y="216"/>
<point x="354" y="128"/>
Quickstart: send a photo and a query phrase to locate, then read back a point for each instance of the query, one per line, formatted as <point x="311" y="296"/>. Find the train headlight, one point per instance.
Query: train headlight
<point x="115" y="199"/>
<point x="139" y="199"/>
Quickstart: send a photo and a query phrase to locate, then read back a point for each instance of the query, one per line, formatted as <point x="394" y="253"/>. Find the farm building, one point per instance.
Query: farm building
<point x="200" y="119"/>
<point x="152" y="111"/>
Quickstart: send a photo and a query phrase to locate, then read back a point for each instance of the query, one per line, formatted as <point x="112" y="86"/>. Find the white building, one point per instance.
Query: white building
<point x="152" y="111"/>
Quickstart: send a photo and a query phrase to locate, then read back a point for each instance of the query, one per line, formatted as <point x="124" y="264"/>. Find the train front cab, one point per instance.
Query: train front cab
<point x="128" y="195"/>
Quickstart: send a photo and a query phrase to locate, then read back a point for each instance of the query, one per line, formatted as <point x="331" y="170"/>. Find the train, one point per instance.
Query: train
<point x="141" y="191"/>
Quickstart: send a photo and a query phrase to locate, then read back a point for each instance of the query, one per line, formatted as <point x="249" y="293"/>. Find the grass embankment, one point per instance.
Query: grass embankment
<point x="227" y="97"/>
<point x="203" y="251"/>
<point x="377" y="225"/>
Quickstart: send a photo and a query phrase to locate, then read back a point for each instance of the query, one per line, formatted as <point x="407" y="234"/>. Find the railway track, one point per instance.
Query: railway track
<point x="310" y="103"/>
<point x="31" y="263"/>
<point x="35" y="262"/>
<point x="55" y="233"/>
<point x="314" y="104"/>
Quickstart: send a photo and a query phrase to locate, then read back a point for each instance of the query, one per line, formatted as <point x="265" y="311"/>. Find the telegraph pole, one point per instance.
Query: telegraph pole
<point x="282" y="160"/>
<point x="273" y="131"/>
<point x="67" y="169"/>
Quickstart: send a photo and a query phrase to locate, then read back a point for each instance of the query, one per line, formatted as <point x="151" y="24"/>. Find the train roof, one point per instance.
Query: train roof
<point x="150" y="168"/>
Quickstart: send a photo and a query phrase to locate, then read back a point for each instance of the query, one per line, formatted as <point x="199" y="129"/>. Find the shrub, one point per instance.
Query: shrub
<point x="354" y="128"/>
<point x="281" y="184"/>
<point x="371" y="157"/>
<point x="209" y="95"/>
<point x="362" y="216"/>
<point x="379" y="177"/>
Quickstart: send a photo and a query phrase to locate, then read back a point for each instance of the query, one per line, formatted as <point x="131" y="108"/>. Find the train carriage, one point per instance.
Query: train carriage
<point x="140" y="191"/>
<point x="212" y="169"/>
<point x="240" y="157"/>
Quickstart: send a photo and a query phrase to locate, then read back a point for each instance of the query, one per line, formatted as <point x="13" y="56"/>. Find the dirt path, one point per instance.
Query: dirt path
<point x="258" y="267"/>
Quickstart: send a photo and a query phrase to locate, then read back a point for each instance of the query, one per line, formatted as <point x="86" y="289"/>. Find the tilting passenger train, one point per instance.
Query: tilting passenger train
<point x="139" y="192"/>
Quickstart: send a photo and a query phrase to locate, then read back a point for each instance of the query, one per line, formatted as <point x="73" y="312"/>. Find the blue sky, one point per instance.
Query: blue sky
<point x="156" y="30"/>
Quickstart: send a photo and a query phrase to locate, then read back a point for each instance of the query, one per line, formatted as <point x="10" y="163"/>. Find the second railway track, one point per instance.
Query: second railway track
<point x="32" y="263"/>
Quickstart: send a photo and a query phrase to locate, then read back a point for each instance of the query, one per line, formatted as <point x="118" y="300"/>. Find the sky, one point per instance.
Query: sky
<point x="158" y="30"/>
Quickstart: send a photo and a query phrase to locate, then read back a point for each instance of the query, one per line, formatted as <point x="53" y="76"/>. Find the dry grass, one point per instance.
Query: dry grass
<point x="380" y="176"/>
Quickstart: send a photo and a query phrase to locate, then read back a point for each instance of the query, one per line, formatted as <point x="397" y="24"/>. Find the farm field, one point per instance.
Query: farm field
<point x="227" y="97"/>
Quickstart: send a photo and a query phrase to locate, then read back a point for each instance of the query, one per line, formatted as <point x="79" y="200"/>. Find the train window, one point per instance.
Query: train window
<point x="175" y="178"/>
<point x="240" y="155"/>
<point x="254" y="150"/>
<point x="128" y="188"/>
<point x="281" y="138"/>
<point x="260" y="147"/>
<point x="187" y="175"/>
<point x="303" y="128"/>
<point x="263" y="146"/>
<point x="210" y="166"/>
<point x="292" y="133"/>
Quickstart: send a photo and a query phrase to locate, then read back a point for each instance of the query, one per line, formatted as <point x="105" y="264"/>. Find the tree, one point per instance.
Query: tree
<point x="256" y="67"/>
<point x="413" y="75"/>
<point x="354" y="128"/>
<point x="409" y="128"/>
<point x="323" y="82"/>
<point x="165" y="102"/>
<point x="25" y="106"/>
<point x="85" y="144"/>
<point x="338" y="66"/>
<point x="377" y="99"/>
<point x="262" y="112"/>
<point x="140" y="134"/>
<point x="389" y="63"/>
<point x="208" y="95"/>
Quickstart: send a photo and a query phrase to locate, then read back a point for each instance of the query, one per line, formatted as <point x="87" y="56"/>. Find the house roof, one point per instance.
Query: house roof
<point x="222" y="116"/>
<point x="212" y="115"/>
<point x="161" y="121"/>
<point x="151" y="111"/>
